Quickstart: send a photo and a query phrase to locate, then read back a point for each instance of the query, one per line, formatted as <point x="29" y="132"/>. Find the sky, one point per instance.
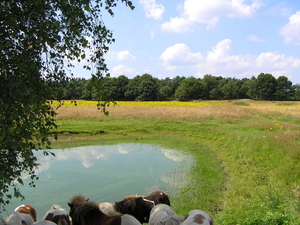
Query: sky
<point x="228" y="38"/>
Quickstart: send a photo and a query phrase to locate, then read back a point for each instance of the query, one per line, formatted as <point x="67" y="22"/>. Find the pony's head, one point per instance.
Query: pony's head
<point x="76" y="201"/>
<point x="85" y="213"/>
<point x="158" y="197"/>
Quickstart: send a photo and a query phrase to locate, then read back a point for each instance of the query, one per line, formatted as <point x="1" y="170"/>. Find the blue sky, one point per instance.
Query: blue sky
<point x="228" y="38"/>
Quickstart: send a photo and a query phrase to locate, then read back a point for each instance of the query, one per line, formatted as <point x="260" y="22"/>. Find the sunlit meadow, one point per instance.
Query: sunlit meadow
<point x="247" y="152"/>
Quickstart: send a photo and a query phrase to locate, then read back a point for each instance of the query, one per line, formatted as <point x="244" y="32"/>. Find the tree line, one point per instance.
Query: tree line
<point x="148" y="88"/>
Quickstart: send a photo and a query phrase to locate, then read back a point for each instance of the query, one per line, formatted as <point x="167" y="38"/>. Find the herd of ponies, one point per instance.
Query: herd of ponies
<point x="154" y="209"/>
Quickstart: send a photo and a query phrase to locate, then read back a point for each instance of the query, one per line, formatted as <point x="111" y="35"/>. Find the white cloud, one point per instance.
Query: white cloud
<point x="277" y="61"/>
<point x="220" y="62"/>
<point x="125" y="55"/>
<point x="219" y="54"/>
<point x="123" y="70"/>
<point x="177" y="24"/>
<point x="152" y="9"/>
<point x="291" y="31"/>
<point x="209" y="12"/>
<point x="254" y="38"/>
<point x="178" y="55"/>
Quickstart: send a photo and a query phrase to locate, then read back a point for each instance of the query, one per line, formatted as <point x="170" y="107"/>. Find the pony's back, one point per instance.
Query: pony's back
<point x="197" y="217"/>
<point x="18" y="218"/>
<point x="44" y="222"/>
<point x="57" y="215"/>
<point x="163" y="214"/>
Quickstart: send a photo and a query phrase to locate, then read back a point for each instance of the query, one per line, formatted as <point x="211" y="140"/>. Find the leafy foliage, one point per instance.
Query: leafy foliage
<point x="39" y="41"/>
<point x="148" y="88"/>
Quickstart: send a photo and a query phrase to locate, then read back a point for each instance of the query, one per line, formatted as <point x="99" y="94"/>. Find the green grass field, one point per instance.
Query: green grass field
<point x="247" y="153"/>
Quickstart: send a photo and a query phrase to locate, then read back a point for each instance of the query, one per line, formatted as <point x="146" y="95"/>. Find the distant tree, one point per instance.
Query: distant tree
<point x="147" y="89"/>
<point x="295" y="92"/>
<point x="209" y="83"/>
<point x="190" y="88"/>
<point x="164" y="92"/>
<point x="114" y="88"/>
<point x="89" y="92"/>
<point x="132" y="91"/>
<point x="121" y="83"/>
<point x="216" y="92"/>
<point x="73" y="88"/>
<point x="175" y="82"/>
<point x="142" y="88"/>
<point x="244" y="88"/>
<point x="283" y="90"/>
<point x="39" y="41"/>
<point x="250" y="87"/>
<point x="164" y="88"/>
<point x="231" y="89"/>
<point x="266" y="86"/>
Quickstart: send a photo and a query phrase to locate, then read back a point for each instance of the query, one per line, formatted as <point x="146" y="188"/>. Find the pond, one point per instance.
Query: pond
<point x="103" y="174"/>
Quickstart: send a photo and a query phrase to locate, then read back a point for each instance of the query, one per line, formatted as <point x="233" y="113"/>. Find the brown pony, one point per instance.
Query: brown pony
<point x="22" y="215"/>
<point x="136" y="206"/>
<point x="85" y="212"/>
<point x="139" y="206"/>
<point x="26" y="209"/>
<point x="159" y="197"/>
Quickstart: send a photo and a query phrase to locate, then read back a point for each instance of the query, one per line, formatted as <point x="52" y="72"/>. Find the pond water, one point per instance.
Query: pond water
<point x="103" y="174"/>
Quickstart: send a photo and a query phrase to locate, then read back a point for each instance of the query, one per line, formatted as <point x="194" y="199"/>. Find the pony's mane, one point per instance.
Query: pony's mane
<point x="128" y="202"/>
<point x="85" y="210"/>
<point x="56" y="207"/>
<point x="78" y="200"/>
<point x="132" y="196"/>
<point x="109" y="209"/>
<point x="54" y="211"/>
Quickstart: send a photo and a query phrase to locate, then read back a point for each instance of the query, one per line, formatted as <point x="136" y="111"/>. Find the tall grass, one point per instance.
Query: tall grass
<point x="247" y="168"/>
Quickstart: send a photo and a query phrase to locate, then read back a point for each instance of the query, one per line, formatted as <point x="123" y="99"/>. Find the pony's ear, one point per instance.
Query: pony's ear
<point x="87" y="199"/>
<point x="70" y="204"/>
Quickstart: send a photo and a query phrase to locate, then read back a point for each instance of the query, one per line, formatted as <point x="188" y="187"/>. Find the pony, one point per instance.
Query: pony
<point x="57" y="215"/>
<point x="140" y="206"/>
<point x="44" y="222"/>
<point x="22" y="215"/>
<point x="85" y="212"/>
<point x="27" y="209"/>
<point x="195" y="217"/>
<point x="18" y="218"/>
<point x="163" y="214"/>
<point x="158" y="197"/>
<point x="137" y="206"/>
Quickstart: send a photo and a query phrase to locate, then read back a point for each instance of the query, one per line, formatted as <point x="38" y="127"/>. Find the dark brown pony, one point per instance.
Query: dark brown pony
<point x="85" y="212"/>
<point x="139" y="206"/>
<point x="136" y="206"/>
<point x="159" y="197"/>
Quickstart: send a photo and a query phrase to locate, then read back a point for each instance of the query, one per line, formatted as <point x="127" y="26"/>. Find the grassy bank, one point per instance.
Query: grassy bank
<point x="246" y="152"/>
